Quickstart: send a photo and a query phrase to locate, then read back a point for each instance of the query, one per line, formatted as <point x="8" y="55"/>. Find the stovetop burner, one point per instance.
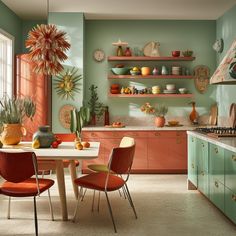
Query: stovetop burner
<point x="218" y="131"/>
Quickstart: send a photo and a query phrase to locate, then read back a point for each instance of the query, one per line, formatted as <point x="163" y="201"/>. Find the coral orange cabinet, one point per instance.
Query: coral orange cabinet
<point x="167" y="152"/>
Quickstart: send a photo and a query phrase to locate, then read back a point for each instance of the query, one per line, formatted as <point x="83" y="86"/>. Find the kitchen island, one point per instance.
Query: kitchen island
<point x="212" y="170"/>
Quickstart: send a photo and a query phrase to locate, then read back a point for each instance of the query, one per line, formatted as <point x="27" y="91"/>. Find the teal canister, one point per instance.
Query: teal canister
<point x="45" y="136"/>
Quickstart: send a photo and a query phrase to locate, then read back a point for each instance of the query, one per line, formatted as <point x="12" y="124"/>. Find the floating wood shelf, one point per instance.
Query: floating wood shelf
<point x="143" y="58"/>
<point x="189" y="95"/>
<point x="150" y="77"/>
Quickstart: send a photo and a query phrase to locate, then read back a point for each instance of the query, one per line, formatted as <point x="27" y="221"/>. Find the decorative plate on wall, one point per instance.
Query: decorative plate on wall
<point x="64" y="115"/>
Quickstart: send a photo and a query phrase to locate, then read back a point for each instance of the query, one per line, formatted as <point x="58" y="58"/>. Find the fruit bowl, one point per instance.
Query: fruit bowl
<point x="173" y="122"/>
<point x="134" y="72"/>
<point x="120" y="71"/>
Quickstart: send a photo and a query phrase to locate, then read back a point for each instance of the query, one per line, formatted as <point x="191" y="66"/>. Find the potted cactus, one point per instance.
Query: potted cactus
<point x="12" y="113"/>
<point x="78" y="120"/>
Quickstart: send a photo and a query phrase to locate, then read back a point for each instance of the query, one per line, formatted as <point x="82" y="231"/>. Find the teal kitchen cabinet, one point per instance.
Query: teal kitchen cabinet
<point x="192" y="164"/>
<point x="230" y="185"/>
<point x="216" y="175"/>
<point x="202" y="166"/>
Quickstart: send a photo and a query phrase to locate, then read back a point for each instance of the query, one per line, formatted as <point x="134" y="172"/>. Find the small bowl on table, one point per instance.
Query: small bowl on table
<point x="183" y="90"/>
<point x="175" y="53"/>
<point x="173" y="123"/>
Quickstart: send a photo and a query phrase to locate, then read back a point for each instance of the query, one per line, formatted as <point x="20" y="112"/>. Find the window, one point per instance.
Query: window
<point x="6" y="63"/>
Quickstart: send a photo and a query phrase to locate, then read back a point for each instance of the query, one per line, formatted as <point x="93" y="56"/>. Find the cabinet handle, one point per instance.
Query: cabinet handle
<point x="203" y="145"/>
<point x="216" y="150"/>
<point x="192" y="165"/>
<point x="233" y="157"/>
<point x="157" y="134"/>
<point x="216" y="184"/>
<point x="202" y="173"/>
<point x="93" y="134"/>
<point x="192" y="140"/>
<point x="234" y="197"/>
<point x="115" y="134"/>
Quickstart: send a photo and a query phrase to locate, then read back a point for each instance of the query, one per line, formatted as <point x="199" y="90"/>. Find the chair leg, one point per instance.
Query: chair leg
<point x="35" y="217"/>
<point x="111" y="214"/>
<point x="130" y="200"/>
<point x="98" y="201"/>
<point x="93" y="200"/>
<point x="9" y="208"/>
<point x="77" y="205"/>
<point x="82" y="198"/>
<point x="50" y="205"/>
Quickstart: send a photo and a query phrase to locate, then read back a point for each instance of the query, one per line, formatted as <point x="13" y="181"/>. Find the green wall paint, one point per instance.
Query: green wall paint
<point x="73" y="25"/>
<point x="12" y="24"/>
<point x="27" y="25"/>
<point x="225" y="29"/>
<point x="172" y="35"/>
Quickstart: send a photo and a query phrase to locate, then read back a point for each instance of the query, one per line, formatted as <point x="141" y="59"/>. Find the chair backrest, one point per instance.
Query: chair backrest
<point x="126" y="142"/>
<point x="122" y="159"/>
<point x="17" y="166"/>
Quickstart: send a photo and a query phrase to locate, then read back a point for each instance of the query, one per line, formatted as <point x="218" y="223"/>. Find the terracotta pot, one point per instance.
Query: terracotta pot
<point x="12" y="134"/>
<point x="160" y="121"/>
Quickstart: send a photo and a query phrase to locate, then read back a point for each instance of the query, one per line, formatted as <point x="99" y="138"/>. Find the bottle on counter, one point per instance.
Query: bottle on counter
<point x="106" y="116"/>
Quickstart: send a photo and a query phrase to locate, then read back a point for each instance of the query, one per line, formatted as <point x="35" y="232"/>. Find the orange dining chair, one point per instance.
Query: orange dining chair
<point x="17" y="168"/>
<point x="121" y="159"/>
<point x="125" y="142"/>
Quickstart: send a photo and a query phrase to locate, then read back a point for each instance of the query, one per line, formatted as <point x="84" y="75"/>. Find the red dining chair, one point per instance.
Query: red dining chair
<point x="17" y="168"/>
<point x="121" y="159"/>
<point x="125" y="142"/>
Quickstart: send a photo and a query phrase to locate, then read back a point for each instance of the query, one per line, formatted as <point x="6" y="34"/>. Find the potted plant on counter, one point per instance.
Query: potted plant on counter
<point x="12" y="113"/>
<point x="159" y="111"/>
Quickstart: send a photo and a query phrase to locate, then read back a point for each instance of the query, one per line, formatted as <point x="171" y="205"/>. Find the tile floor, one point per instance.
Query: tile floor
<point x="164" y="206"/>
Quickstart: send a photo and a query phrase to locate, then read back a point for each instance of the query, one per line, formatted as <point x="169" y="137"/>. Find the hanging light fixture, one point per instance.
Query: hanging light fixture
<point x="47" y="46"/>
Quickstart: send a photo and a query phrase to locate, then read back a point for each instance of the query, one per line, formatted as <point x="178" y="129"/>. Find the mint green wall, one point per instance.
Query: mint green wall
<point x="225" y="29"/>
<point x="12" y="24"/>
<point x="73" y="25"/>
<point x="172" y="35"/>
<point x="27" y="25"/>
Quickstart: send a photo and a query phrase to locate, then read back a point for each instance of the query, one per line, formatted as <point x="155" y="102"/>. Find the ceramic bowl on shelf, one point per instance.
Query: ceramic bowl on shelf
<point x="187" y="53"/>
<point x="175" y="53"/>
<point x="183" y="90"/>
<point x="170" y="87"/>
<point x="120" y="71"/>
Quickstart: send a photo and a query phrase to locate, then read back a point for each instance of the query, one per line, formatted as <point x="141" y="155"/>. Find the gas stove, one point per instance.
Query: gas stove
<point x="217" y="132"/>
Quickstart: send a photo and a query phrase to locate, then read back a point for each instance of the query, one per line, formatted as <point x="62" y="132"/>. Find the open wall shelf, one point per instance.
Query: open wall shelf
<point x="150" y="77"/>
<point x="151" y="95"/>
<point x="143" y="58"/>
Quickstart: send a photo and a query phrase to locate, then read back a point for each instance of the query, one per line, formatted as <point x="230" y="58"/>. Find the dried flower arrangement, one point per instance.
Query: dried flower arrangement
<point x="159" y="110"/>
<point x="47" y="47"/>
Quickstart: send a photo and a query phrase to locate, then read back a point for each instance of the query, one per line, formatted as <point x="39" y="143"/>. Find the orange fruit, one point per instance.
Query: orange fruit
<point x="86" y="144"/>
<point x="79" y="146"/>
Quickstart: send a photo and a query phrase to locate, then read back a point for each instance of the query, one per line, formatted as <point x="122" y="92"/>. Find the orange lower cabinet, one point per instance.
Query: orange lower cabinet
<point x="167" y="152"/>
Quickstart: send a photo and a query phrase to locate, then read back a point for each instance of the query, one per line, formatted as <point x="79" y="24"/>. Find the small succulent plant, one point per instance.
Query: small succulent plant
<point x="14" y="110"/>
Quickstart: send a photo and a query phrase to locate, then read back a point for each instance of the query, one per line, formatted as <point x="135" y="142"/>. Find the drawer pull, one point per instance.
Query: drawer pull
<point x="202" y="173"/>
<point x="93" y="134"/>
<point x="216" y="150"/>
<point x="192" y="140"/>
<point x="192" y="165"/>
<point x="233" y="157"/>
<point x="157" y="134"/>
<point x="216" y="184"/>
<point x="203" y="145"/>
<point x="234" y="197"/>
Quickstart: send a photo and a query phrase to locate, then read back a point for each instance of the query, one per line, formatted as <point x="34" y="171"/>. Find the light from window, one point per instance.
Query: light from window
<point x="6" y="64"/>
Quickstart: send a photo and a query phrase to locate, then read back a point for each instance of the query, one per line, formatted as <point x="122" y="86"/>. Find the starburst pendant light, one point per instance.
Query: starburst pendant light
<point x="47" y="46"/>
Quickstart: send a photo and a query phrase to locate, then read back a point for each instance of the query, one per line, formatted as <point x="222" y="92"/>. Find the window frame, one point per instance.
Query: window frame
<point x="12" y="38"/>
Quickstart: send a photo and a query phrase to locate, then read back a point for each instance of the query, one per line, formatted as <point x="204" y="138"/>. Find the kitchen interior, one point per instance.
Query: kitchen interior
<point x="162" y="73"/>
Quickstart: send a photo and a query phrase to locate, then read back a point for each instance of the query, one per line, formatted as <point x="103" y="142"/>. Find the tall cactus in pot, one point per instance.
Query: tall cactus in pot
<point x="78" y="120"/>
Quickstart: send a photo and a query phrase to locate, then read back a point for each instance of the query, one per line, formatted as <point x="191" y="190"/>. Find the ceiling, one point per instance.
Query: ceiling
<point x="124" y="9"/>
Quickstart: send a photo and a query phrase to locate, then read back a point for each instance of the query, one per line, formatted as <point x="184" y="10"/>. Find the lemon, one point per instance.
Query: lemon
<point x="135" y="69"/>
<point x="36" y="144"/>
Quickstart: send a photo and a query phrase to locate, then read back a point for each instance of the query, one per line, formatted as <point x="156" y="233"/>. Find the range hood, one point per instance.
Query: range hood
<point x="226" y="71"/>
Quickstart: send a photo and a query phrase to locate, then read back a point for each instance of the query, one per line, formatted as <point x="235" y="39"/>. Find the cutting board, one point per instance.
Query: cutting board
<point x="232" y="115"/>
<point x="213" y="115"/>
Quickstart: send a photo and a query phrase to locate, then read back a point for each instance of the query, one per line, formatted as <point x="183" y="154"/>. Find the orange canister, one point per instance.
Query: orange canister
<point x="146" y="70"/>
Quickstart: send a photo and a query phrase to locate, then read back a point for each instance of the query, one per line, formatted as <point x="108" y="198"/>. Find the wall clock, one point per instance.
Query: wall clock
<point x="98" y="55"/>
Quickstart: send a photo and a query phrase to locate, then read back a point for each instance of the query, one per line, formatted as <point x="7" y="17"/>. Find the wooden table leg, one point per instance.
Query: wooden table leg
<point x="73" y="175"/>
<point x="61" y="188"/>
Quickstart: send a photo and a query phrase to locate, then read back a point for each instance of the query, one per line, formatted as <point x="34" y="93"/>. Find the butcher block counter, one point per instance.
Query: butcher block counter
<point x="158" y="150"/>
